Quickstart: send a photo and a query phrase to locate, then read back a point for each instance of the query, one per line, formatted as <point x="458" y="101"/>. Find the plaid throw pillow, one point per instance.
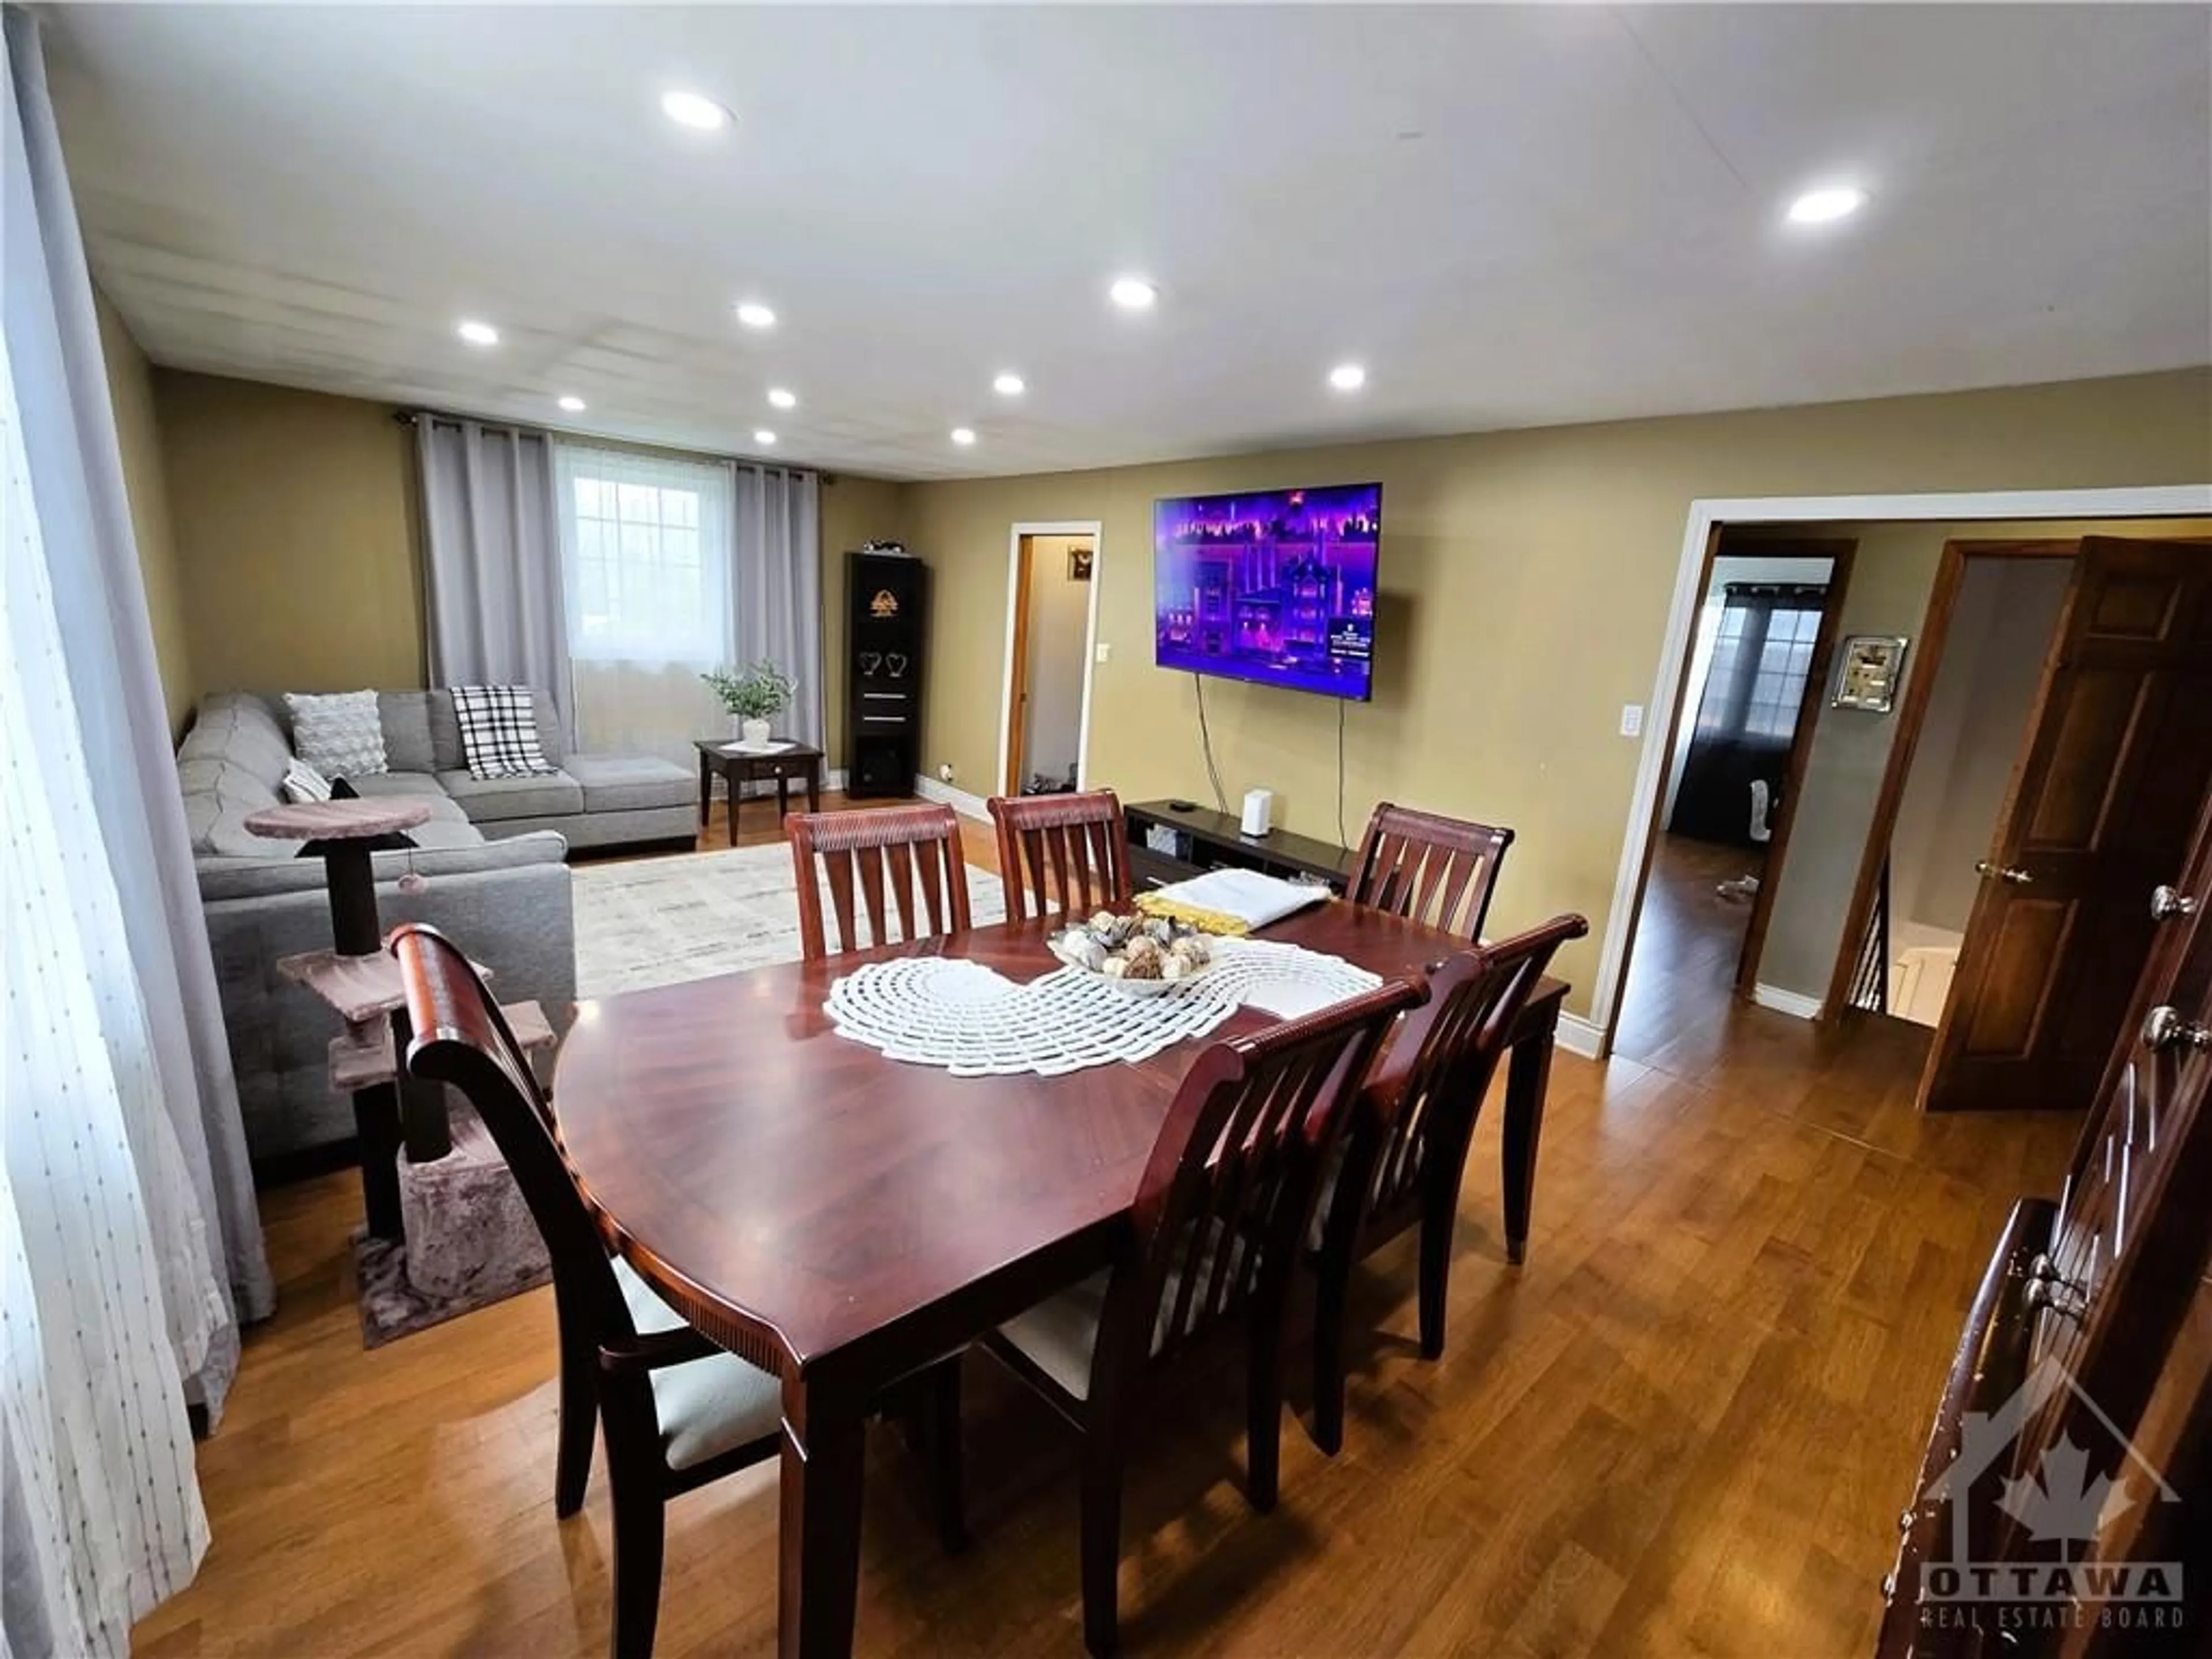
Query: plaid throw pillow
<point x="498" y="731"/>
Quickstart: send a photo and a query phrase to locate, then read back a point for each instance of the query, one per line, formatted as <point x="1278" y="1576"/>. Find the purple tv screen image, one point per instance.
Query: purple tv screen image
<point x="1276" y="588"/>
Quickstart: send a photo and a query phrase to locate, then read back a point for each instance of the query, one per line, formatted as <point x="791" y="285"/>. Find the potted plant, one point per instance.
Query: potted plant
<point x="754" y="697"/>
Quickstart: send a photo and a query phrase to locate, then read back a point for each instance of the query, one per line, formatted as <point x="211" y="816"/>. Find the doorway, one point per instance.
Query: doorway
<point x="2082" y="672"/>
<point x="1764" y="632"/>
<point x="1052" y="609"/>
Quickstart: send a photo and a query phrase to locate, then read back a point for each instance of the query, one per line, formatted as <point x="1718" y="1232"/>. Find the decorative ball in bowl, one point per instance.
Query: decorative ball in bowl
<point x="1138" y="956"/>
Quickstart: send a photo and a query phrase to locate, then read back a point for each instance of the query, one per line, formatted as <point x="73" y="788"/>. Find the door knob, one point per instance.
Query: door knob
<point x="2168" y="904"/>
<point x="2011" y="873"/>
<point x="2165" y="1028"/>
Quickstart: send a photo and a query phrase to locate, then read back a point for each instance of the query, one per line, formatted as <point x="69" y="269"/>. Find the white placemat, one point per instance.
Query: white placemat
<point x="974" y="1021"/>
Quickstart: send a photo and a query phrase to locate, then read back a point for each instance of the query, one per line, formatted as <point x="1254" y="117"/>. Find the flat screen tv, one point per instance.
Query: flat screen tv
<point x="1277" y="586"/>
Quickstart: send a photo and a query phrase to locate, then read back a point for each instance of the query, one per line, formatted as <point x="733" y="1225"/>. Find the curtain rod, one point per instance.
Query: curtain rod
<point x="437" y="416"/>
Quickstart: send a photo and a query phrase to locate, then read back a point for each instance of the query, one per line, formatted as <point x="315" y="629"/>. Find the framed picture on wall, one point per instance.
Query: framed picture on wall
<point x="1872" y="665"/>
<point x="1079" y="564"/>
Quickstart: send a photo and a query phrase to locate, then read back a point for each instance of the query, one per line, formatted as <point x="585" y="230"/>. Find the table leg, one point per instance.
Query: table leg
<point x="782" y="793"/>
<point x="737" y="776"/>
<point x="376" y="1122"/>
<point x="814" y="786"/>
<point x="706" y="788"/>
<point x="1529" y="1075"/>
<point x="818" y="1575"/>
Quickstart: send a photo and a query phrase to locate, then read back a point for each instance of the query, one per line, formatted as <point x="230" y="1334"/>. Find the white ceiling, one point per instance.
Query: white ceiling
<point x="1512" y="215"/>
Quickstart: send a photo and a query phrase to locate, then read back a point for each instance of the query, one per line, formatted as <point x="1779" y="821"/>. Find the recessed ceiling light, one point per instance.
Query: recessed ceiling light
<point x="1010" y="385"/>
<point x="573" y="404"/>
<point x="1820" y="207"/>
<point x="476" y="333"/>
<point x="964" y="435"/>
<point x="753" y="314"/>
<point x="1132" y="293"/>
<point x="782" y="397"/>
<point x="1347" y="377"/>
<point x="764" y="437"/>
<point x="690" y="109"/>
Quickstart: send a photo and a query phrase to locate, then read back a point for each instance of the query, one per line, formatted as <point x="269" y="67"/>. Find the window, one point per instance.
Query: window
<point x="1762" y="652"/>
<point x="645" y="543"/>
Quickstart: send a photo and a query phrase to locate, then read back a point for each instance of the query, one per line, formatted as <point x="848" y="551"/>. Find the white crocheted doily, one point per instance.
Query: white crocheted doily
<point x="933" y="1010"/>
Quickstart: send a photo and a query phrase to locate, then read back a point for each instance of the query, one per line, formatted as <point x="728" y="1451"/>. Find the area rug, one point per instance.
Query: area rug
<point x="660" y="921"/>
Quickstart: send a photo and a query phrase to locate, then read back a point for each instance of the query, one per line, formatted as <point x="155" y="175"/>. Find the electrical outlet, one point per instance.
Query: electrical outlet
<point x="945" y="773"/>
<point x="1105" y="653"/>
<point x="1632" y="719"/>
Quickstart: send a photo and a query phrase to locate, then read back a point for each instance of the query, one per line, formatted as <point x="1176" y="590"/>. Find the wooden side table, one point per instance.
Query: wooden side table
<point x="798" y="760"/>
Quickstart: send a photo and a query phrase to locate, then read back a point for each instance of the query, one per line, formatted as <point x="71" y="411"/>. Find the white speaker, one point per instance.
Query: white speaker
<point x="1258" y="811"/>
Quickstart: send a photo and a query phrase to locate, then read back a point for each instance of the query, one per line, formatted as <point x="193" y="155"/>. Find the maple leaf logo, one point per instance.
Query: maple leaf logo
<point x="2058" y="1502"/>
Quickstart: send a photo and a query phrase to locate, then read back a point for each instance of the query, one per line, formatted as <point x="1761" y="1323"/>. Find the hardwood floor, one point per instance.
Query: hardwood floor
<point x="1686" y="1427"/>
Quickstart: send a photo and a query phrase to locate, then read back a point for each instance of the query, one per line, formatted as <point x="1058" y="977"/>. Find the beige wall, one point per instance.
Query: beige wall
<point x="1525" y="578"/>
<point x="1892" y="576"/>
<point x="1985" y="686"/>
<point x="131" y="389"/>
<point x="298" y="534"/>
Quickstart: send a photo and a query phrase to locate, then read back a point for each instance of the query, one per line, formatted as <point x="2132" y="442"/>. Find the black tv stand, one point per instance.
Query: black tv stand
<point x="1173" y="841"/>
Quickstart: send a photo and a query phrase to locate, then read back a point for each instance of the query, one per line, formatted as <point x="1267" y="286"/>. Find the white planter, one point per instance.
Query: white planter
<point x="756" y="732"/>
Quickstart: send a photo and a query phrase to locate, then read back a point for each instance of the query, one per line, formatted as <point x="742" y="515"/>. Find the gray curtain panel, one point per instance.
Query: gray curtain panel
<point x="114" y="683"/>
<point x="492" y="547"/>
<point x="776" y="583"/>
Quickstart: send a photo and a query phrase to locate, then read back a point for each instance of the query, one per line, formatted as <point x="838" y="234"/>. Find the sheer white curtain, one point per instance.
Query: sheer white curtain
<point x="646" y="569"/>
<point x="108" y="1294"/>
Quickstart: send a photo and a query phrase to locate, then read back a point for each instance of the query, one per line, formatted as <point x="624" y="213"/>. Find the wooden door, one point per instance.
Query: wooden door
<point x="2119" y="756"/>
<point x="1017" y="695"/>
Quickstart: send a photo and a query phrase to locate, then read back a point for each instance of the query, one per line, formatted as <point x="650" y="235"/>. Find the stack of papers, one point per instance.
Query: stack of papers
<point x="1231" y="901"/>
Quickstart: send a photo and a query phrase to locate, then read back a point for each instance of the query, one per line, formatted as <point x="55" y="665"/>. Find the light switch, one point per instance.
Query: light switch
<point x="1632" y="719"/>
<point x="1105" y="652"/>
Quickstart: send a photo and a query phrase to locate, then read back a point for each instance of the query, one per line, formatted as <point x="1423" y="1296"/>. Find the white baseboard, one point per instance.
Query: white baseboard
<point x="1796" y="1003"/>
<point x="967" y="805"/>
<point x="1578" y="1037"/>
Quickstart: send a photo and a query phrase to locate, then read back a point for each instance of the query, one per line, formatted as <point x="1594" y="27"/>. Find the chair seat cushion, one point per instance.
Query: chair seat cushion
<point x="495" y="801"/>
<point x="1059" y="1334"/>
<point x="706" y="1407"/>
<point x="623" y="783"/>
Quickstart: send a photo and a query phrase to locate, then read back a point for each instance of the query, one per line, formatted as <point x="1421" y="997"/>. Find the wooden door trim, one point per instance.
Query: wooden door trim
<point x="1841" y="552"/>
<point x="1911" y="713"/>
<point x="1014" y="740"/>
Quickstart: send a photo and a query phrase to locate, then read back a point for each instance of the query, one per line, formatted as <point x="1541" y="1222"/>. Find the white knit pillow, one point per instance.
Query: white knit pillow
<point x="340" y="735"/>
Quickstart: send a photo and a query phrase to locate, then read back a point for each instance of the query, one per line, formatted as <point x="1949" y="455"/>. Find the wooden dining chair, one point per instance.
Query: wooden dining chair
<point x="906" y="857"/>
<point x="1225" y="1199"/>
<point x="677" y="1411"/>
<point x="1429" y="868"/>
<point x="1405" y="1151"/>
<point x="1067" y="853"/>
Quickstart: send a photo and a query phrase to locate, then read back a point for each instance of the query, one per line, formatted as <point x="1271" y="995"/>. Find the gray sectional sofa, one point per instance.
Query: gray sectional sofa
<point x="492" y="856"/>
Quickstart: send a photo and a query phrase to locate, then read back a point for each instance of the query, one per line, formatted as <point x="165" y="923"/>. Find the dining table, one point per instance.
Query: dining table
<point x="844" y="1220"/>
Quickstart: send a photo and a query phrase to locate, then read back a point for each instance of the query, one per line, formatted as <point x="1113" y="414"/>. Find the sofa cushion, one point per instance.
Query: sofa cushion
<point x="497" y="800"/>
<point x="446" y="753"/>
<point x="339" y="734"/>
<point x="257" y="878"/>
<point x="412" y="786"/>
<point x="217" y="796"/>
<point x="239" y="727"/>
<point x="616" y="783"/>
<point x="406" y="717"/>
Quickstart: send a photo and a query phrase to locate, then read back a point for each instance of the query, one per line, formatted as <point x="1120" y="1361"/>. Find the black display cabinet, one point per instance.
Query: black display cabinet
<point x="886" y="608"/>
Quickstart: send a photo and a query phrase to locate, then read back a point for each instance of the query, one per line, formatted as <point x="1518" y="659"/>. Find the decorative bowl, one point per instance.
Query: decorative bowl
<point x="1096" y="948"/>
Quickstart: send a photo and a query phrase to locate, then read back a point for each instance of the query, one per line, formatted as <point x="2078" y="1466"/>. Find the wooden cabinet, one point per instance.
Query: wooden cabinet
<point x="886" y="641"/>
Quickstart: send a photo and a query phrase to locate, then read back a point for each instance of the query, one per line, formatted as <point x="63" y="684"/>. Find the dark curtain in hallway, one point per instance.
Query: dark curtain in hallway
<point x="1748" y="712"/>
